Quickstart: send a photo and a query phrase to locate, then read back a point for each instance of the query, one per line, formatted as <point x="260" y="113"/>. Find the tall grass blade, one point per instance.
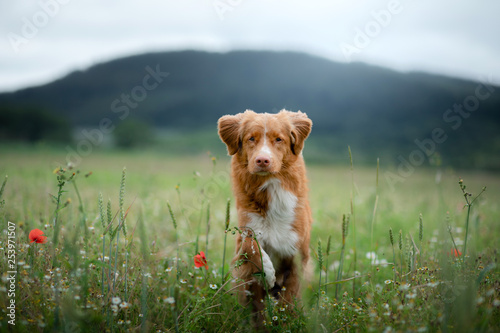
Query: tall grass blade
<point x="353" y="216"/>
<point x="174" y="222"/>
<point x="102" y="218"/>
<point x="226" y="229"/>
<point x="208" y="227"/>
<point x="320" y="262"/>
<point x="328" y="246"/>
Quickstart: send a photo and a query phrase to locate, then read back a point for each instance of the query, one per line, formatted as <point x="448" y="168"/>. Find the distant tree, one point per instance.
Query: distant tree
<point x="133" y="133"/>
<point x="33" y="124"/>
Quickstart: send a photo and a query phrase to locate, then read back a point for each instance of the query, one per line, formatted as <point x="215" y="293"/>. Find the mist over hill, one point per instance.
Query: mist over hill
<point x="378" y="112"/>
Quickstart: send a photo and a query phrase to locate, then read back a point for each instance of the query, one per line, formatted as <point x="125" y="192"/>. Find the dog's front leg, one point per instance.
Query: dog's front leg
<point x="250" y="262"/>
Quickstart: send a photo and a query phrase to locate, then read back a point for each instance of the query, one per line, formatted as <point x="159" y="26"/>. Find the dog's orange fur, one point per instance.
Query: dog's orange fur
<point x="270" y="187"/>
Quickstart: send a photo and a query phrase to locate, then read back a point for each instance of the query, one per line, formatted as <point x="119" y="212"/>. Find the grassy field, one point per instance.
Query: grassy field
<point x="418" y="281"/>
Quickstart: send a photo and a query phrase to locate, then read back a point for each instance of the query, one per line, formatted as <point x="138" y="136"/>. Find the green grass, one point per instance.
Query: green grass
<point x="63" y="285"/>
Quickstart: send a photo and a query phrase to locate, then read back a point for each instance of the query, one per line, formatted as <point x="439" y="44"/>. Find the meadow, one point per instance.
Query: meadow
<point x="123" y="229"/>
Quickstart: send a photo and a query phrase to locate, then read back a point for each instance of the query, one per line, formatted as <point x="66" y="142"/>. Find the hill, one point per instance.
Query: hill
<point x="377" y="111"/>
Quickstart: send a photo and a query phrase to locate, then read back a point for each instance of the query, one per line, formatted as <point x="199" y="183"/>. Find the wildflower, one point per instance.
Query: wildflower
<point x="456" y="252"/>
<point x="116" y="300"/>
<point x="496" y="302"/>
<point x="200" y="260"/>
<point x="213" y="286"/>
<point x="372" y="256"/>
<point x="283" y="288"/>
<point x="36" y="235"/>
<point x="275" y="318"/>
<point x="388" y="281"/>
<point x="169" y="300"/>
<point x="411" y="295"/>
<point x="183" y="281"/>
<point x="404" y="287"/>
<point x="124" y="305"/>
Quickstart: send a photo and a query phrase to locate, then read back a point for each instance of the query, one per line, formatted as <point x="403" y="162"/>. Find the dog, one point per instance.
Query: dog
<point x="269" y="182"/>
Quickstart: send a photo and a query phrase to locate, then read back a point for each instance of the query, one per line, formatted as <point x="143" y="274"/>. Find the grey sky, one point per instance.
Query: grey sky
<point x="456" y="38"/>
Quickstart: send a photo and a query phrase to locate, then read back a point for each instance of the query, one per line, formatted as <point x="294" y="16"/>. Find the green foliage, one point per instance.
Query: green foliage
<point x="32" y="124"/>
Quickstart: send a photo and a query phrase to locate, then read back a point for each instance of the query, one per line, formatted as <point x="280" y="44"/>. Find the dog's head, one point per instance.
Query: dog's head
<point x="265" y="142"/>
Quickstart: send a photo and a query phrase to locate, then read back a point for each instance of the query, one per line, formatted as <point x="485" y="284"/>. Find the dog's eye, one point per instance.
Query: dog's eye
<point x="278" y="139"/>
<point x="251" y="139"/>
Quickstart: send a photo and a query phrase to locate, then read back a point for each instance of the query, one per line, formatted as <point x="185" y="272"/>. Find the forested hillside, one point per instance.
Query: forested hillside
<point x="378" y="112"/>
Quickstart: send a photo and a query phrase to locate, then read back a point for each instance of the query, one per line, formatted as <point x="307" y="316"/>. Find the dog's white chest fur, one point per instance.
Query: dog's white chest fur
<point x="274" y="232"/>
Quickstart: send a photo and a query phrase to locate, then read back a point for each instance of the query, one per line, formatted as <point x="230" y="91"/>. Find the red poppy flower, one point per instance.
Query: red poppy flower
<point x="200" y="260"/>
<point x="36" y="235"/>
<point x="456" y="253"/>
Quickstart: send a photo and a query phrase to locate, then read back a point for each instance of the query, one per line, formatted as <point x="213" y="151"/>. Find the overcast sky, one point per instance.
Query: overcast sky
<point x="46" y="39"/>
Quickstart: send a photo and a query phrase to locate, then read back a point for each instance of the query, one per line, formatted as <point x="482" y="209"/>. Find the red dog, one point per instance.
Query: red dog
<point x="270" y="186"/>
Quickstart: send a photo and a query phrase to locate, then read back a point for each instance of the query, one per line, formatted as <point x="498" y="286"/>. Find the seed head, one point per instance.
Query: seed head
<point x="109" y="219"/>
<point x="320" y="255"/>
<point x="228" y="217"/>
<point x="121" y="197"/>
<point x="101" y="212"/>
<point x="345" y="225"/>
<point x="174" y="221"/>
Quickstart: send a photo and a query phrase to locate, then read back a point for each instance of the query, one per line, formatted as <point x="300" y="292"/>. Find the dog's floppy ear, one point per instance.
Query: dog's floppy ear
<point x="301" y="127"/>
<point x="229" y="132"/>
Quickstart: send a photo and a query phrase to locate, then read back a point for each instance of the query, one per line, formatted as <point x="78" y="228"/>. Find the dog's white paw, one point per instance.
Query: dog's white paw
<point x="268" y="269"/>
<point x="270" y="279"/>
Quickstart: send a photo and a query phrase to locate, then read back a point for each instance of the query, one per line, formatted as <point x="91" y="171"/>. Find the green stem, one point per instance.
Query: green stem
<point x="326" y="273"/>
<point x="224" y="256"/>
<point x="103" y="251"/>
<point x="353" y="222"/>
<point x="466" y="230"/>
<point x="394" y="265"/>
<point x="126" y="270"/>
<point x="339" y="272"/>
<point x="226" y="230"/>
<point x="116" y="258"/>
